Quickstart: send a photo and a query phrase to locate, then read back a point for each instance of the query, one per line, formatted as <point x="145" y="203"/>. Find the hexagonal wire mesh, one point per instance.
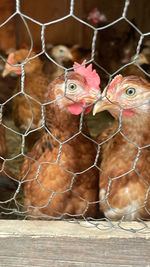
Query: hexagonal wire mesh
<point x="69" y="196"/>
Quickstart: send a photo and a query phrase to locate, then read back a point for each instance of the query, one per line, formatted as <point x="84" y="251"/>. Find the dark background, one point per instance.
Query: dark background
<point x="69" y="31"/>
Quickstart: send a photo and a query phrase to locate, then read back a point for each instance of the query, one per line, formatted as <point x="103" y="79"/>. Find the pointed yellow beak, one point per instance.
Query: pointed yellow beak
<point x="70" y="56"/>
<point x="8" y="69"/>
<point x="102" y="105"/>
<point x="5" y="72"/>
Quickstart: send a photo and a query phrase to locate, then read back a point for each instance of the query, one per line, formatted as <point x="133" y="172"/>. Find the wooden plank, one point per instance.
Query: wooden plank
<point x="70" y="252"/>
<point x="41" y="243"/>
<point x="70" y="31"/>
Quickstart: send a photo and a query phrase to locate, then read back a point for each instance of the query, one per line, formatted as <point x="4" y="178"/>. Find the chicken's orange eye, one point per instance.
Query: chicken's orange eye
<point x="130" y="91"/>
<point x="72" y="86"/>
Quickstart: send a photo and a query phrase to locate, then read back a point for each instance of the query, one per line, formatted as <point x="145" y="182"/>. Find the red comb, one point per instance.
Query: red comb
<point x="115" y="81"/>
<point x="92" y="78"/>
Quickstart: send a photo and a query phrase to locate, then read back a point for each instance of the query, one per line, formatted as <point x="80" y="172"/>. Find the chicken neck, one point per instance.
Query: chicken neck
<point x="61" y="122"/>
<point x="136" y="128"/>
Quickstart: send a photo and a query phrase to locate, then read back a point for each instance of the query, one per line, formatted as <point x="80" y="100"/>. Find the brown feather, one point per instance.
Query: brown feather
<point x="24" y="108"/>
<point x="73" y="194"/>
<point x="124" y="183"/>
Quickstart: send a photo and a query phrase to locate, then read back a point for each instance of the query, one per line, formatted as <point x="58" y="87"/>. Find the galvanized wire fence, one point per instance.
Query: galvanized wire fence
<point x="24" y="211"/>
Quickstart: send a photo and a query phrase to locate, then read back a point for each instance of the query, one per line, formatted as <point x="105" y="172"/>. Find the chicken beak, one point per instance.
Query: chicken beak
<point x="141" y="59"/>
<point x="10" y="69"/>
<point x="5" y="72"/>
<point x="102" y="105"/>
<point x="70" y="56"/>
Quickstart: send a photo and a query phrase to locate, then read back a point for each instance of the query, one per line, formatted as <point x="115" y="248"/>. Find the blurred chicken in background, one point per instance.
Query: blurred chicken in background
<point x="27" y="111"/>
<point x="7" y="185"/>
<point x="137" y="70"/>
<point x="62" y="55"/>
<point x="79" y="53"/>
<point x="145" y="49"/>
<point x="7" y="84"/>
<point x="114" y="48"/>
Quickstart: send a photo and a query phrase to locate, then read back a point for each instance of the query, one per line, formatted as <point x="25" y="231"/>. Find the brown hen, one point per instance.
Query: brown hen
<point x="7" y="185"/>
<point x="135" y="70"/>
<point x="60" y="180"/>
<point x="79" y="53"/>
<point x="3" y="149"/>
<point x="27" y="109"/>
<point x="125" y="174"/>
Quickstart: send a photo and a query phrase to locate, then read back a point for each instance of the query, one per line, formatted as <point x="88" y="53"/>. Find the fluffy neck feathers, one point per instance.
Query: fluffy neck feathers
<point x="137" y="128"/>
<point x="59" y="120"/>
<point x="61" y="123"/>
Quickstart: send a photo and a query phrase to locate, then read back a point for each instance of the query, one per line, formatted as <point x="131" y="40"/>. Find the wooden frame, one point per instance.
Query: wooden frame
<point x="58" y="243"/>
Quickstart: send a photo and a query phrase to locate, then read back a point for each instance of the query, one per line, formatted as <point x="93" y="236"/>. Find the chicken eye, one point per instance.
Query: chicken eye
<point x="72" y="86"/>
<point x="19" y="62"/>
<point x="130" y="91"/>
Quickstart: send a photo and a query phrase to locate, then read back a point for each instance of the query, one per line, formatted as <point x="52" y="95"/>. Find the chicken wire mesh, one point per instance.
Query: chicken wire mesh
<point x="15" y="206"/>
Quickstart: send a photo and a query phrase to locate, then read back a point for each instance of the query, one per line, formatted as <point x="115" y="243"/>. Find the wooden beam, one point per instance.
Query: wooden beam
<point x="58" y="243"/>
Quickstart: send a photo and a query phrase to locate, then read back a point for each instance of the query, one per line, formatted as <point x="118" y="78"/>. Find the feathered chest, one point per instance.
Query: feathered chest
<point x="121" y="156"/>
<point x="34" y="85"/>
<point x="74" y="155"/>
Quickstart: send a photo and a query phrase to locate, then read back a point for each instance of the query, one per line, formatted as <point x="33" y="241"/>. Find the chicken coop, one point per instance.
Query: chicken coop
<point x="74" y="148"/>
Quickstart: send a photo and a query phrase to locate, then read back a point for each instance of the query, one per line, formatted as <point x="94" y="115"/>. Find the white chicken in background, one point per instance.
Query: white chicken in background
<point x="61" y="54"/>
